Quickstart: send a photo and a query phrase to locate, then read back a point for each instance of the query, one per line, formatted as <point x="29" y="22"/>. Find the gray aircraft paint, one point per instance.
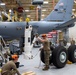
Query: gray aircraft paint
<point x="59" y="18"/>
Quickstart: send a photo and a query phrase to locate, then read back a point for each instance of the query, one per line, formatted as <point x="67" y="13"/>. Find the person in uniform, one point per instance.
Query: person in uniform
<point x="46" y="48"/>
<point x="35" y="41"/>
<point x="10" y="68"/>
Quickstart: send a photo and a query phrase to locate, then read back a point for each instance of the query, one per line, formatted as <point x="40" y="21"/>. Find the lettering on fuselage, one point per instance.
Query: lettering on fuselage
<point x="19" y="28"/>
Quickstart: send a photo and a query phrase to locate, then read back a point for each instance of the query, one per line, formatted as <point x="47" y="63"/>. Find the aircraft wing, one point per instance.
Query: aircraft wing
<point x="67" y="24"/>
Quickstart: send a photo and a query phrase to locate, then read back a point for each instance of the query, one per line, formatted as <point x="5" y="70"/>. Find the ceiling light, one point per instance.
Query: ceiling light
<point x="44" y="10"/>
<point x="26" y="10"/>
<point x="2" y="3"/>
<point x="45" y="2"/>
<point x="10" y="10"/>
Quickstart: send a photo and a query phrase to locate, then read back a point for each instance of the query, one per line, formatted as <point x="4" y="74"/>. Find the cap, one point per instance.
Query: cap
<point x="15" y="57"/>
<point x="43" y="35"/>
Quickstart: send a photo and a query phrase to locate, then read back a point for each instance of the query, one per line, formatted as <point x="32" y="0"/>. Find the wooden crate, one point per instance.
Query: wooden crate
<point x="29" y="73"/>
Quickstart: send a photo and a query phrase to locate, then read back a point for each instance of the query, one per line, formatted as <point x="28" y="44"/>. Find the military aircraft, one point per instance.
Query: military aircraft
<point x="59" y="18"/>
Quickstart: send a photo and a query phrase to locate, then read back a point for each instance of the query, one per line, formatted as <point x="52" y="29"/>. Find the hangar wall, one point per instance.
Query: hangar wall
<point x="72" y="32"/>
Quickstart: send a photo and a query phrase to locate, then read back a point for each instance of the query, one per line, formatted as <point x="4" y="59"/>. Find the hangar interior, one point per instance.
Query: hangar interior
<point x="18" y="11"/>
<point x="28" y="9"/>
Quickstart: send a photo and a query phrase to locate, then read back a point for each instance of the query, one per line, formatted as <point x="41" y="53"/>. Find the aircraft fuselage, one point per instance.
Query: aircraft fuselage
<point x="12" y="30"/>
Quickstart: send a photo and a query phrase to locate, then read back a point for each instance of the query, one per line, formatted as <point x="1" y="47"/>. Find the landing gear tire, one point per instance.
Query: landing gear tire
<point x="72" y="53"/>
<point x="59" y="56"/>
<point x="42" y="57"/>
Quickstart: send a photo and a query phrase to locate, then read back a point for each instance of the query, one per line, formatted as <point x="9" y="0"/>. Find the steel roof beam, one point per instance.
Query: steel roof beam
<point x="19" y="2"/>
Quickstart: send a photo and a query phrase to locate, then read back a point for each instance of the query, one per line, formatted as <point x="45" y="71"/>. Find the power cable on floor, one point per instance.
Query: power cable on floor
<point x="39" y="64"/>
<point x="35" y="55"/>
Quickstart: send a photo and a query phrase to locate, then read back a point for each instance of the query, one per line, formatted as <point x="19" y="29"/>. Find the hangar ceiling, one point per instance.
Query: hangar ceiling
<point x="30" y="10"/>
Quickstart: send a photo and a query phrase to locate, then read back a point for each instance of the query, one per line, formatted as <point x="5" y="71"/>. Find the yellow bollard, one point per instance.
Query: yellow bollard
<point x="27" y="19"/>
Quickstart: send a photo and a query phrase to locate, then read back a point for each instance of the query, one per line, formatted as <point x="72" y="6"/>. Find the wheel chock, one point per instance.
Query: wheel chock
<point x="69" y="62"/>
<point x="29" y="73"/>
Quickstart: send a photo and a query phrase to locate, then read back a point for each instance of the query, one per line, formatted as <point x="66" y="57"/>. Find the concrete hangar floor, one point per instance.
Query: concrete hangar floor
<point x="33" y="65"/>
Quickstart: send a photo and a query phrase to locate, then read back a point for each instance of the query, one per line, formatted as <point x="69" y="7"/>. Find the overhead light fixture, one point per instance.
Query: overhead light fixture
<point x="26" y="10"/>
<point x="2" y="3"/>
<point x="10" y="10"/>
<point x="45" y="2"/>
<point x="44" y="10"/>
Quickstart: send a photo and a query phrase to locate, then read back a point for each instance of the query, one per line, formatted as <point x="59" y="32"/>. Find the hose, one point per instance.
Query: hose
<point x="35" y="55"/>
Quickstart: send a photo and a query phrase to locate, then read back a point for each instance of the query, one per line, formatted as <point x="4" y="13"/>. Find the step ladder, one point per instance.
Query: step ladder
<point x="3" y="49"/>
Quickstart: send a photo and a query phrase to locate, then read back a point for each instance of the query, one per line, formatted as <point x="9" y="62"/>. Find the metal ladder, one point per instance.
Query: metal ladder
<point x="2" y="51"/>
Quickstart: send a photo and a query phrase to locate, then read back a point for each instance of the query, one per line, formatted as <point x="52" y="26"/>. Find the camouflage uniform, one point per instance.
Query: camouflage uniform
<point x="46" y="48"/>
<point x="9" y="69"/>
